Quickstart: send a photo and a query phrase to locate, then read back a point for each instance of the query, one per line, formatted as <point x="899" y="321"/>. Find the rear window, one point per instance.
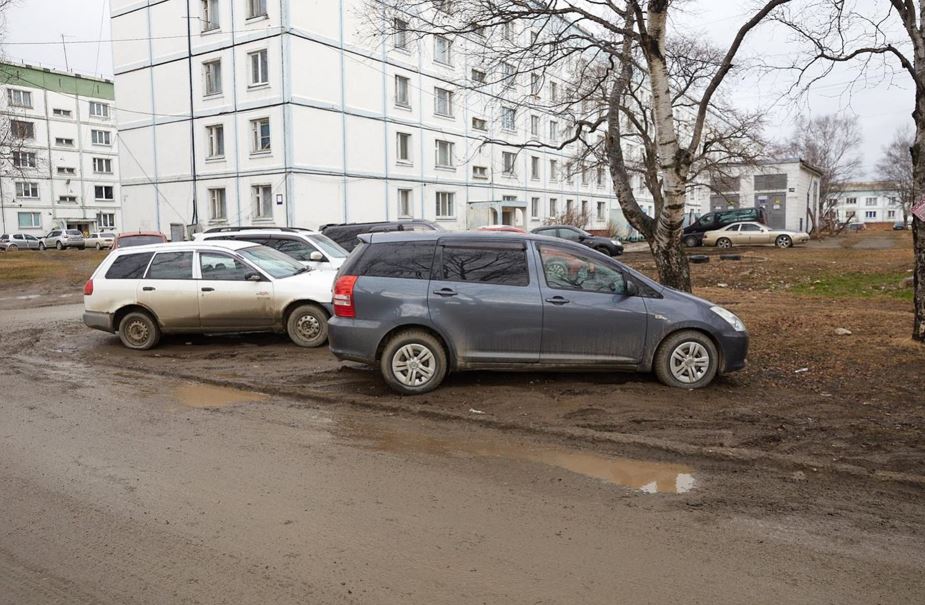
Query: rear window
<point x="129" y="266"/>
<point x="74" y="232"/>
<point x="502" y="266"/>
<point x="107" y="234"/>
<point x="139" y="240"/>
<point x="405" y="260"/>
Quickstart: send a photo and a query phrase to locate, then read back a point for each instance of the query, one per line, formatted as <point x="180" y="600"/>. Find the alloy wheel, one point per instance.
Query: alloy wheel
<point x="689" y="362"/>
<point x="413" y="365"/>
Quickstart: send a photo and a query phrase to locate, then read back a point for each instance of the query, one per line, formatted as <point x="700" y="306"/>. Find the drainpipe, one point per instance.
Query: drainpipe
<point x="192" y="121"/>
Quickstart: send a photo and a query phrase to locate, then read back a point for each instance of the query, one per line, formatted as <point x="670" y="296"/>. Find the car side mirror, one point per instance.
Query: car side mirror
<point x="582" y="238"/>
<point x="316" y="256"/>
<point x="631" y="288"/>
<point x="253" y="277"/>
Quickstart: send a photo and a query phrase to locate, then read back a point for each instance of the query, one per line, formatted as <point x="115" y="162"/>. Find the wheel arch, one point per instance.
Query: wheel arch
<point x="287" y="311"/>
<point x="721" y="360"/>
<point x="126" y="309"/>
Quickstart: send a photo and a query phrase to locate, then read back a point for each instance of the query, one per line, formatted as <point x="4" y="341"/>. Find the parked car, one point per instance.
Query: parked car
<point x="692" y="235"/>
<point x="345" y="234"/>
<point x="419" y="305"/>
<point x="502" y="228"/>
<point x="752" y="234"/>
<point x="100" y="239"/>
<point x="310" y="248"/>
<point x="12" y="242"/>
<point x="605" y="245"/>
<point x="899" y="226"/>
<point x="62" y="238"/>
<point x="138" y="238"/>
<point x="142" y="292"/>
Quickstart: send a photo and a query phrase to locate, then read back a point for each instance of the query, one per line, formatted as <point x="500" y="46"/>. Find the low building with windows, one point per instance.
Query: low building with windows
<point x="60" y="165"/>
<point x="874" y="203"/>
<point x="249" y="112"/>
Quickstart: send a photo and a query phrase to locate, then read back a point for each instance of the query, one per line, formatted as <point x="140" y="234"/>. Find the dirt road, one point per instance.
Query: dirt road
<point x="123" y="486"/>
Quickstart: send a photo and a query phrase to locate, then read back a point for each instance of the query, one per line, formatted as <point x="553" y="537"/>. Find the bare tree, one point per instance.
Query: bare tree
<point x="895" y="167"/>
<point x="831" y="144"/>
<point x="885" y="41"/>
<point x="630" y="97"/>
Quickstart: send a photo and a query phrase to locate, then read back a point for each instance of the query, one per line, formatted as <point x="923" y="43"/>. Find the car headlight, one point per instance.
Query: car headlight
<point x="730" y="318"/>
<point x="615" y="242"/>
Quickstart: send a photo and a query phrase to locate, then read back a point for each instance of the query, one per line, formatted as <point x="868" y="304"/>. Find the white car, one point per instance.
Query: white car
<point x="100" y="239"/>
<point x="310" y="248"/>
<point x="207" y="287"/>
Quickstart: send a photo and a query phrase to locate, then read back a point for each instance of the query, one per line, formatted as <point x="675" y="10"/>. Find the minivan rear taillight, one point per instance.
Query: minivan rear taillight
<point x="343" y="296"/>
<point x="88" y="287"/>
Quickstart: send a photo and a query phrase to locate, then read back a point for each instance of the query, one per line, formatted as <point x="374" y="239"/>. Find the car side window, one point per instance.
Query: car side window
<point x="222" y="267"/>
<point x="750" y="227"/>
<point x="732" y="228"/>
<point x="129" y="266"/>
<point x="568" y="234"/>
<point x="171" y="265"/>
<point x="18" y="236"/>
<point x="295" y="248"/>
<point x="54" y="234"/>
<point x="406" y="260"/>
<point x="31" y="237"/>
<point x="504" y="266"/>
<point x="568" y="270"/>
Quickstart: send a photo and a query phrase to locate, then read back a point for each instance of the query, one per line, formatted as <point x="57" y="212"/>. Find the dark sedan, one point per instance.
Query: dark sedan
<point x="606" y="245"/>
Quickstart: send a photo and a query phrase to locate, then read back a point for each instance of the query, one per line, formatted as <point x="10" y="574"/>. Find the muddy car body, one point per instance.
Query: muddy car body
<point x="421" y="304"/>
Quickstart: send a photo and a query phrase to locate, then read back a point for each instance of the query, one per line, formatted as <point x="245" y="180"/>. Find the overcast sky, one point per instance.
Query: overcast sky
<point x="881" y="109"/>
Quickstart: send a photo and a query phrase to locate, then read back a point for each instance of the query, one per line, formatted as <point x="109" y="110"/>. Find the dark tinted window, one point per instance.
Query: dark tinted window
<point x="129" y="266"/>
<point x="408" y="260"/>
<point x="345" y="236"/>
<point x="139" y="240"/>
<point x="506" y="266"/>
<point x="296" y="248"/>
<point x="222" y="267"/>
<point x="171" y="265"/>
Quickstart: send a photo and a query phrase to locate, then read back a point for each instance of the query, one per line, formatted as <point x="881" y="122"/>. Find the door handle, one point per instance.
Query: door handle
<point x="208" y="289"/>
<point x="148" y="288"/>
<point x="445" y="292"/>
<point x="557" y="300"/>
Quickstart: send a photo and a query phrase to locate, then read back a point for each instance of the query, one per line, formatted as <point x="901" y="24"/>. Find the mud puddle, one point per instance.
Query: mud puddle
<point x="209" y="396"/>
<point x="644" y="475"/>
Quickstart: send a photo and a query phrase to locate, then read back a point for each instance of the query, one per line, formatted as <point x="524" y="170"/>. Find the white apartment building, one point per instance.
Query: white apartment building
<point x="868" y="202"/>
<point x="787" y="189"/>
<point x="288" y="112"/>
<point x="60" y="163"/>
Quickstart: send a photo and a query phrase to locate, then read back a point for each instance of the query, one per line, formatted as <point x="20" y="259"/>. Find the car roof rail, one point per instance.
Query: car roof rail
<point x="253" y="228"/>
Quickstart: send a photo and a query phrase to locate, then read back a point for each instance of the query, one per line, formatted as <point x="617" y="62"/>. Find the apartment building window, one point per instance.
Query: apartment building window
<point x="29" y="220"/>
<point x="99" y="110"/>
<point x="66" y="170"/>
<point x="553" y="92"/>
<point x="23" y="159"/>
<point x="215" y="142"/>
<point x="444" y="154"/>
<point x="443" y="50"/>
<point x="507" y="75"/>
<point x="445" y="204"/>
<point x="534" y="207"/>
<point x="403" y="147"/>
<point x="601" y="211"/>
<point x="553" y="206"/>
<point x="553" y="131"/>
<point x="480" y="172"/>
<point x="101" y="137"/>
<point x="478" y="76"/>
<point x="600" y="176"/>
<point x="260" y="135"/>
<point x="400" y="38"/>
<point x="262" y="197"/>
<point x="22" y="130"/>
<point x="217" y="205"/>
<point x="104" y="193"/>
<point x="256" y="8"/>
<point x="584" y="207"/>
<point x="212" y="77"/>
<point x="260" y="72"/>
<point x="891" y="214"/>
<point x="870" y="214"/>
<point x="67" y="199"/>
<point x="106" y="220"/>
<point x="535" y="125"/>
<point x="402" y="86"/>
<point x="509" y="118"/>
<point x="871" y="201"/>
<point x="19" y="98"/>
<point x="102" y="165"/>
<point x="209" y="15"/>
<point x="508" y="163"/>
<point x="851" y="201"/>
<point x="404" y="203"/>
<point x="584" y="175"/>
<point x="64" y="142"/>
<point x="507" y="31"/>
<point x="479" y="124"/>
<point x="27" y="190"/>
<point x="536" y="84"/>
<point x="569" y="205"/>
<point x="443" y="102"/>
<point x="553" y="170"/>
<point x="61" y="113"/>
<point x="535" y="168"/>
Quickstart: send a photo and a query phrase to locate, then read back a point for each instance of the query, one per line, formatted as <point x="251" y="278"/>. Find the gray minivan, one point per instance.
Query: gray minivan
<point x="421" y="304"/>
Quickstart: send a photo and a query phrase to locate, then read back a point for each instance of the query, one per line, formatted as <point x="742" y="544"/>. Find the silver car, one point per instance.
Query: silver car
<point x="63" y="238"/>
<point x="12" y="242"/>
<point x="100" y="240"/>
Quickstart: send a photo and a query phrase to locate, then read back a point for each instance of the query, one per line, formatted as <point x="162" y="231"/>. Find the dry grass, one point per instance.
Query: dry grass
<point x="34" y="270"/>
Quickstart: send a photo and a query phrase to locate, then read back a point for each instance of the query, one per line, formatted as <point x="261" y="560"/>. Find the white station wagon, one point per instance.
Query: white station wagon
<point x="219" y="286"/>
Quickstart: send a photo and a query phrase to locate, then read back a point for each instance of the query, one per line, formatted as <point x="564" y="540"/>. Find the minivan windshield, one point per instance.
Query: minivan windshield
<point x="272" y="261"/>
<point x="330" y="248"/>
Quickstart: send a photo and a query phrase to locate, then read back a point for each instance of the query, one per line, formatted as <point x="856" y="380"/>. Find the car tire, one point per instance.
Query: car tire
<point x="12" y="248"/>
<point x="139" y="331"/>
<point x="58" y="245"/>
<point x="98" y="246"/>
<point x="604" y="250"/>
<point x="691" y="241"/>
<point x="686" y="360"/>
<point x="783" y="241"/>
<point x="724" y="242"/>
<point x="42" y="246"/>
<point x="307" y="326"/>
<point x="417" y="346"/>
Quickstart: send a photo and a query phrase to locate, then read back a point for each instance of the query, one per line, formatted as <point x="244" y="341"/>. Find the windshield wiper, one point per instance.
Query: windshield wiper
<point x="303" y="270"/>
